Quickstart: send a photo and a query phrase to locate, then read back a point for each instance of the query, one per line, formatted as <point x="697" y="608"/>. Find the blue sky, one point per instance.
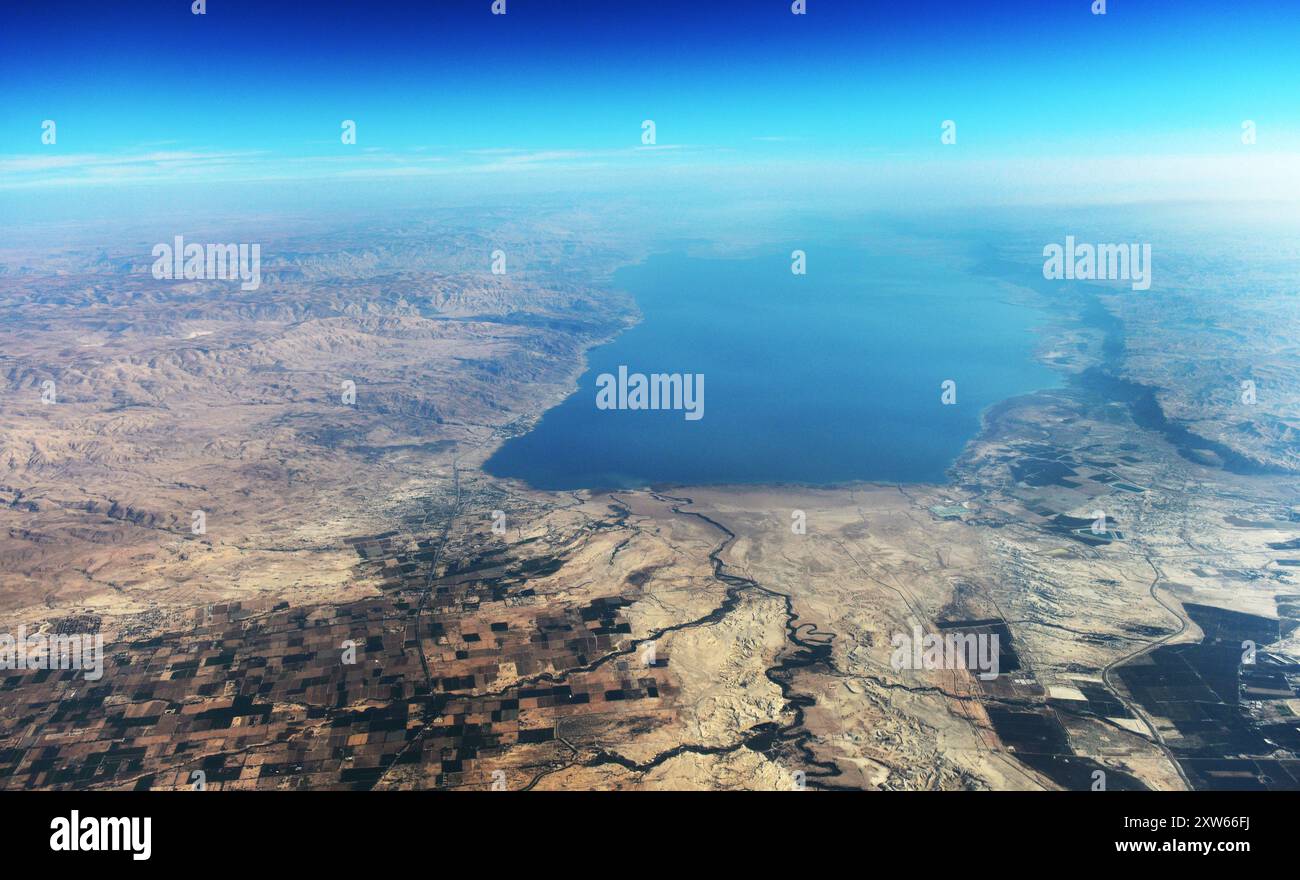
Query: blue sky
<point x="147" y="91"/>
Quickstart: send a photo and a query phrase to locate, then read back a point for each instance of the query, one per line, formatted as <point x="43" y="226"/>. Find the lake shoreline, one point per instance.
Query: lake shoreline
<point x="781" y="379"/>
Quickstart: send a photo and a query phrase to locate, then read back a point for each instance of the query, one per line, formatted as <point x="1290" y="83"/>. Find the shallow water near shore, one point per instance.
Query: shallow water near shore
<point x="822" y="378"/>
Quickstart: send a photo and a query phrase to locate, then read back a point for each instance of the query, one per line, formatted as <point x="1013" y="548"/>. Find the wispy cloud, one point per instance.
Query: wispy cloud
<point x="1242" y="174"/>
<point x="91" y="169"/>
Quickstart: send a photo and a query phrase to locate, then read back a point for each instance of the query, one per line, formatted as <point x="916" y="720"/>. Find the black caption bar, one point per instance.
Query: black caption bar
<point x="334" y="830"/>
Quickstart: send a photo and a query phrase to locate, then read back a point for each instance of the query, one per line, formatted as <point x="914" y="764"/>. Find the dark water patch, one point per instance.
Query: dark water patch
<point x="1221" y="625"/>
<point x="1040" y="742"/>
<point x="1270" y="677"/>
<point x="1081" y="530"/>
<point x="1039" y="472"/>
<point x="1145" y="630"/>
<point x="1202" y="690"/>
<point x="1139" y="399"/>
<point x="1103" y="703"/>
<point x="1142" y="404"/>
<point x="1008" y="660"/>
<point x="1244" y="774"/>
<point x="1147" y="414"/>
<point x="1288" y="606"/>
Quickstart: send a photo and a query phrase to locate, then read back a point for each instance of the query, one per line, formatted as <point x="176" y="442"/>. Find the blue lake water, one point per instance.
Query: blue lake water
<point x="823" y="378"/>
